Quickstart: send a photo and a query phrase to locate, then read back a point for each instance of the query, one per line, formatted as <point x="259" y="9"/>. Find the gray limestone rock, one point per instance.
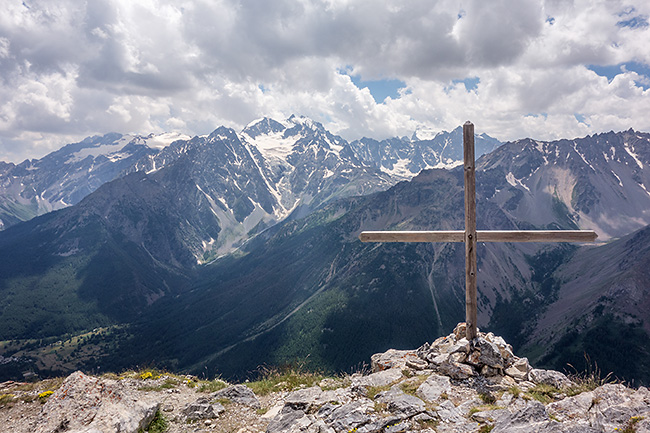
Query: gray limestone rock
<point x="449" y="413"/>
<point x="609" y="407"/>
<point x="529" y="419"/>
<point x="401" y="427"/>
<point x="488" y="371"/>
<point x="456" y="370"/>
<point x="437" y="359"/>
<point x="202" y="409"/>
<point x="305" y="399"/>
<point x="392" y="359"/>
<point x="85" y="403"/>
<point x="378" y="425"/>
<point x="381" y="378"/>
<point x="483" y="352"/>
<point x="348" y="416"/>
<point x="290" y="422"/>
<point x="402" y="404"/>
<point x="549" y="377"/>
<point x="417" y="364"/>
<point x="500" y="383"/>
<point x="432" y="388"/>
<point x="519" y="369"/>
<point x="239" y="394"/>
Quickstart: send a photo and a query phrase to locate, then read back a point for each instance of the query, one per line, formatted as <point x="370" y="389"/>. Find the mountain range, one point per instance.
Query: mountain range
<point x="214" y="252"/>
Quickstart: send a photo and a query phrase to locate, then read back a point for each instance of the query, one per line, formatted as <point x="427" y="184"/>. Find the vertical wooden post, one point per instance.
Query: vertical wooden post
<point x="470" y="231"/>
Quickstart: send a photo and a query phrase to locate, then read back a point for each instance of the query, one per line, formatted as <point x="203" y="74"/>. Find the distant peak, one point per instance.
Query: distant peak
<point x="263" y="126"/>
<point x="305" y="121"/>
<point x="222" y="133"/>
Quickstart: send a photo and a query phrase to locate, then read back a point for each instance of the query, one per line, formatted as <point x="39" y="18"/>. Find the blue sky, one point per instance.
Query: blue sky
<point x="545" y="69"/>
<point x="380" y="89"/>
<point x="611" y="71"/>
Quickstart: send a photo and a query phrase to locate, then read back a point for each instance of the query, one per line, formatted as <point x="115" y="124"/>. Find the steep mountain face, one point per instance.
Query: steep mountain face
<point x="64" y="177"/>
<point x="600" y="309"/>
<point x="240" y="184"/>
<point x="601" y="182"/>
<point x="305" y="165"/>
<point x="405" y="158"/>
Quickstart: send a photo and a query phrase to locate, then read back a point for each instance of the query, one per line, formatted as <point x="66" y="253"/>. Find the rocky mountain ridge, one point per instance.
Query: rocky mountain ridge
<point x="297" y="158"/>
<point x="450" y="385"/>
<point x="598" y="182"/>
<point x="64" y="177"/>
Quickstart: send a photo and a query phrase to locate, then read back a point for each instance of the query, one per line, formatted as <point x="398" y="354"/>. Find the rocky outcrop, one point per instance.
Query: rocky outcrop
<point x="450" y="385"/>
<point x="238" y="394"/>
<point x="456" y="385"/>
<point x="90" y="404"/>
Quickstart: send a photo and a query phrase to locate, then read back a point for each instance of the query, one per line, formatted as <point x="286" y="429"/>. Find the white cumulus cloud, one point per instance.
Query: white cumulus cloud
<point x="69" y="69"/>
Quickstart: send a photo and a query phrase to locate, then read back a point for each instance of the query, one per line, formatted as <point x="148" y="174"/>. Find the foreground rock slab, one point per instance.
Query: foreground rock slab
<point x="89" y="404"/>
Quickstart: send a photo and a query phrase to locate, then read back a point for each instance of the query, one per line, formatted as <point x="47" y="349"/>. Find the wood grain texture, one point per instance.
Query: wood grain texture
<point x="481" y="236"/>
<point x="470" y="232"/>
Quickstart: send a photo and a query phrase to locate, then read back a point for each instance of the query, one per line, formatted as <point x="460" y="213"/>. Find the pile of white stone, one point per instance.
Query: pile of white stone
<point x="487" y="356"/>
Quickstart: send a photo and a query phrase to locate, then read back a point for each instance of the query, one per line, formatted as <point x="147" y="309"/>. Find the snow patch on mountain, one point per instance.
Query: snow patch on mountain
<point x="273" y="146"/>
<point x="512" y="180"/>
<point x="629" y="150"/>
<point x="160" y="141"/>
<point x="102" y="149"/>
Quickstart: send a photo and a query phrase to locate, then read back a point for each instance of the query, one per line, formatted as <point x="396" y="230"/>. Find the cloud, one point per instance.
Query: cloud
<point x="69" y="69"/>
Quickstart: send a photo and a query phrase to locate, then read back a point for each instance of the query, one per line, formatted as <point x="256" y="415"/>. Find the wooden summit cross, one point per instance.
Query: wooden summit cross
<point x="471" y="236"/>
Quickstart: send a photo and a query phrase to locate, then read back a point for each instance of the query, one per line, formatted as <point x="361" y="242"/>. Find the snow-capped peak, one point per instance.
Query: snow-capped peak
<point x="422" y="133"/>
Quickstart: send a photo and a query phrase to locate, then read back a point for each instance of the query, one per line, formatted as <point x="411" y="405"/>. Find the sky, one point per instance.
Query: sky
<point x="545" y="69"/>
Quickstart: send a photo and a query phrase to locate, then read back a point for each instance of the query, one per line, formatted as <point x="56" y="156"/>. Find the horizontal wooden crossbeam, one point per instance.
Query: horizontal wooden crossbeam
<point x="481" y="236"/>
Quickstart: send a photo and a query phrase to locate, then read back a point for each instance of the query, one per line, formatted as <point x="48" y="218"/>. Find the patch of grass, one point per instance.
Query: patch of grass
<point x="543" y="393"/>
<point x="483" y="408"/>
<point x="587" y="380"/>
<point x="284" y="380"/>
<point x="429" y="423"/>
<point x="147" y="375"/>
<point x="43" y="385"/>
<point x="485" y="428"/>
<point x="411" y="386"/>
<point x="262" y="410"/>
<point x="330" y="384"/>
<point x="630" y="426"/>
<point x="212" y="385"/>
<point x="169" y="382"/>
<point x="374" y="390"/>
<point x="487" y="398"/>
<point x="6" y="399"/>
<point x="224" y="401"/>
<point x="514" y="390"/>
<point x="381" y="407"/>
<point x="158" y="424"/>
